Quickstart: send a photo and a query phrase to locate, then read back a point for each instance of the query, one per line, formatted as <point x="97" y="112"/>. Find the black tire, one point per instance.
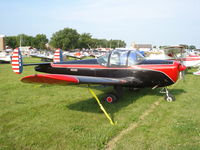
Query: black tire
<point x="169" y="98"/>
<point x="111" y="98"/>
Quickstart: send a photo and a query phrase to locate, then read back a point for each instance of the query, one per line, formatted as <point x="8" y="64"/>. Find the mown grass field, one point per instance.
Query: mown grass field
<point x="67" y="117"/>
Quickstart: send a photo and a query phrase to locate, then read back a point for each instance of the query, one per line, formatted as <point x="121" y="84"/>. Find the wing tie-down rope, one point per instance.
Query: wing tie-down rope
<point x="101" y="106"/>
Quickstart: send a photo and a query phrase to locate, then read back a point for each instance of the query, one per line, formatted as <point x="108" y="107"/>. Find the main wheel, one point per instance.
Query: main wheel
<point x="111" y="98"/>
<point x="169" y="98"/>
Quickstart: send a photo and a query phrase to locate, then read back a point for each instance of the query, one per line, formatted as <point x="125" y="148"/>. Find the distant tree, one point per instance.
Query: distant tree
<point x="11" y="41"/>
<point x="15" y="41"/>
<point x="85" y="40"/>
<point x="162" y="47"/>
<point x="39" y="41"/>
<point x="94" y="43"/>
<point x="117" y="43"/>
<point x="25" y="40"/>
<point x="184" y="45"/>
<point x="65" y="39"/>
<point x="192" y="47"/>
<point x="97" y="43"/>
<point x="101" y="43"/>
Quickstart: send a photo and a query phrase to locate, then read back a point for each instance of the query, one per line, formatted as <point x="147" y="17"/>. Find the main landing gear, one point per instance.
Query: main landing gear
<point x="114" y="96"/>
<point x="168" y="97"/>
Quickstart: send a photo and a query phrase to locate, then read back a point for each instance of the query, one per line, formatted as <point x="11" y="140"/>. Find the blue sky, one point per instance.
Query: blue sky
<point x="157" y="22"/>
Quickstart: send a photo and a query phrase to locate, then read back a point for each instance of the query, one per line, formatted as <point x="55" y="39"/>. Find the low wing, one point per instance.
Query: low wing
<point x="42" y="57"/>
<point x="76" y="57"/>
<point x="70" y="79"/>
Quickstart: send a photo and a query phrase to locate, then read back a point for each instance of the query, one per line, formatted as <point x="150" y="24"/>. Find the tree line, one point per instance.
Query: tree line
<point x="38" y="41"/>
<point x="185" y="46"/>
<point x="65" y="39"/>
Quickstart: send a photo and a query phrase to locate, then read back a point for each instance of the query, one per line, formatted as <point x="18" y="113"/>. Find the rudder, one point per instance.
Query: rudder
<point x="58" y="56"/>
<point x="17" y="63"/>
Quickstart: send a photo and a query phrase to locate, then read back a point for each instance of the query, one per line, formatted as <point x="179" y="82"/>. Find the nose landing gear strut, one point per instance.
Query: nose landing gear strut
<point x="168" y="96"/>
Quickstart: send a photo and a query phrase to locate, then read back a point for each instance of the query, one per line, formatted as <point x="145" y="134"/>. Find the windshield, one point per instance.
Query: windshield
<point x="134" y="58"/>
<point x="103" y="60"/>
<point x="120" y="58"/>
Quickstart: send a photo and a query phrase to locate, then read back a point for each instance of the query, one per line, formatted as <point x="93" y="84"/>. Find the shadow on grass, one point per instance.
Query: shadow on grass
<point x="90" y="105"/>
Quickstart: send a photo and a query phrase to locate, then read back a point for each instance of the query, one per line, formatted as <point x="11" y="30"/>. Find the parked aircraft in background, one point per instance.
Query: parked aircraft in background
<point x="46" y="57"/>
<point x="5" y="57"/>
<point x="180" y="54"/>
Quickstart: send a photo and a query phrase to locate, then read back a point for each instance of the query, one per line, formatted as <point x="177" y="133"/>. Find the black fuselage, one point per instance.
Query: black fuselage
<point x="139" y="77"/>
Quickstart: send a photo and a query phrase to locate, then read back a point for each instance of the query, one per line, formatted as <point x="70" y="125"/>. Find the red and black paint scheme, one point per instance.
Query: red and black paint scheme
<point x="119" y="68"/>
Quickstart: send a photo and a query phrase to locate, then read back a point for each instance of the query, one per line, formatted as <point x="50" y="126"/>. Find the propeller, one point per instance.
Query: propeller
<point x="182" y="75"/>
<point x="182" y="67"/>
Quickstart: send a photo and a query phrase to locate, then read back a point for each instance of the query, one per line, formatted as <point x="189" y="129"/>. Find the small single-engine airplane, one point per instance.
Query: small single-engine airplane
<point x="118" y="68"/>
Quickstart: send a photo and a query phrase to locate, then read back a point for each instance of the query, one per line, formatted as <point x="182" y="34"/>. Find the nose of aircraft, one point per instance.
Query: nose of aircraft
<point x="182" y="67"/>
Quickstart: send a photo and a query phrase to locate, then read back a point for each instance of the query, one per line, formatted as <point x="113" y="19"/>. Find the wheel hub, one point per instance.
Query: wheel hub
<point x="109" y="99"/>
<point x="169" y="99"/>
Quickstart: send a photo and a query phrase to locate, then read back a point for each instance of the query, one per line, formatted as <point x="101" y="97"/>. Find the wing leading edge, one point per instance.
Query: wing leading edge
<point x="70" y="79"/>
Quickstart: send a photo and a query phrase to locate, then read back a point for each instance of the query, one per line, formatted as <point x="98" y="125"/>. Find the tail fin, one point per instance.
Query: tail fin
<point x="58" y="56"/>
<point x="17" y="63"/>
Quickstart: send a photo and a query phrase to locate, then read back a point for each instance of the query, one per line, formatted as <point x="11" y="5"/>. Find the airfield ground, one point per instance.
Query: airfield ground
<point x="67" y="117"/>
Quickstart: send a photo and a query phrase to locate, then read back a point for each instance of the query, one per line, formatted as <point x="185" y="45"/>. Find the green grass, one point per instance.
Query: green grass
<point x="172" y="125"/>
<point x="68" y="117"/>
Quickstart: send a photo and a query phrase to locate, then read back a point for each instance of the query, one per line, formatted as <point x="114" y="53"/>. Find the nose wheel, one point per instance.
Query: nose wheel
<point x="168" y="96"/>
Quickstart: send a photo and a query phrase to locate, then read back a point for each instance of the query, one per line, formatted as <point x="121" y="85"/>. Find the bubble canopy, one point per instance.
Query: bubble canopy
<point x="121" y="58"/>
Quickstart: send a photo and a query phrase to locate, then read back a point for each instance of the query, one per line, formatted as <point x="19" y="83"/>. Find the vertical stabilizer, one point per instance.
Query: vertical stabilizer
<point x="58" y="56"/>
<point x="17" y="63"/>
